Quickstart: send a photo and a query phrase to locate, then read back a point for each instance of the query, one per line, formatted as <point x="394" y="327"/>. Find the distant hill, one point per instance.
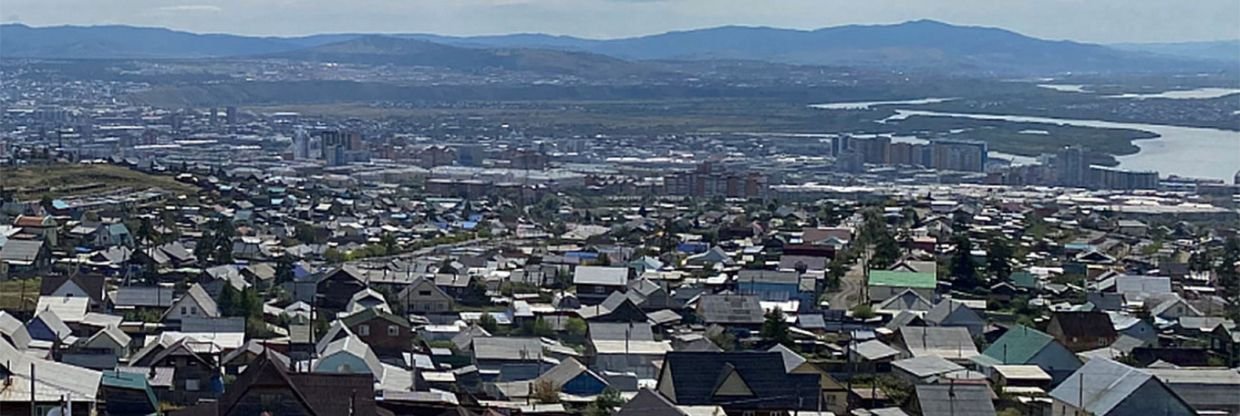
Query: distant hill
<point x="1223" y="50"/>
<point x="128" y="42"/>
<point x="916" y="44"/>
<point x="386" y="50"/>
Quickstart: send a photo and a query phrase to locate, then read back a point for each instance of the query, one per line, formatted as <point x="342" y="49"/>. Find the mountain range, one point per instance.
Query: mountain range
<point x="910" y="45"/>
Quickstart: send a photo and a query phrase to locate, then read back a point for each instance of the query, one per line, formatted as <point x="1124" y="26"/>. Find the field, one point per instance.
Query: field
<point x="65" y="180"/>
<point x="11" y="292"/>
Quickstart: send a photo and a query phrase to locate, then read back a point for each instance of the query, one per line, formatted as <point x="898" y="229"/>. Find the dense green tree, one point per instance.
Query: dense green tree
<point x="963" y="270"/>
<point x="999" y="258"/>
<point x="284" y="270"/>
<point x="775" y="328"/>
<point x="488" y="323"/>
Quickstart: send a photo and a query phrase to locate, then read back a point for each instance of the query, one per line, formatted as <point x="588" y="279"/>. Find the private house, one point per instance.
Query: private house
<point x="195" y="374"/>
<point x="111" y="341"/>
<point x="952" y="400"/>
<point x="268" y="387"/>
<point x="952" y="313"/>
<point x="951" y="343"/>
<point x="834" y="397"/>
<point x="731" y="311"/>
<point x="1133" y="327"/>
<point x="775" y="286"/>
<point x="336" y="287"/>
<point x="884" y="284"/>
<point x="622" y="347"/>
<point x="922" y="370"/>
<point x="195" y="303"/>
<point x="47" y="327"/>
<point x="907" y="300"/>
<point x="127" y="394"/>
<point x="423" y="297"/>
<point x="387" y="334"/>
<point x="1023" y="345"/>
<point x="1107" y="388"/>
<point x="13" y="331"/>
<point x="142" y="298"/>
<point x="44" y="384"/>
<point x="650" y="403"/>
<point x="24" y="258"/>
<point x="508" y="359"/>
<point x="1206" y="390"/>
<point x="41" y="227"/>
<point x="89" y="287"/>
<point x="1082" y="331"/>
<point x="595" y="283"/>
<point x="739" y="382"/>
<point x="112" y="235"/>
<point x="572" y="378"/>
<point x="618" y="307"/>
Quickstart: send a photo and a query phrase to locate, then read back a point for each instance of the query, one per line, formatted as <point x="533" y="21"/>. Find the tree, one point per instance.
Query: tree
<point x="334" y="256"/>
<point x="488" y="323"/>
<point x="575" y="329"/>
<point x="999" y="258"/>
<point x="863" y="311"/>
<point x="605" y="403"/>
<point x="388" y="242"/>
<point x="962" y="269"/>
<point x="775" y="328"/>
<point x="886" y="251"/>
<point x="545" y="391"/>
<point x="284" y="270"/>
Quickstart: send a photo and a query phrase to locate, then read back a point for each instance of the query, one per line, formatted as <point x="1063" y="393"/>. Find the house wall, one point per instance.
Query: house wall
<point x="380" y="341"/>
<point x="184" y="307"/>
<point x="342" y="363"/>
<point x="1057" y="361"/>
<point x="640" y="364"/>
<point x="1152" y="398"/>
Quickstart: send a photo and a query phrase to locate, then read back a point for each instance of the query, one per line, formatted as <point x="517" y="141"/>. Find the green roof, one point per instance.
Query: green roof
<point x="914" y="280"/>
<point x="1019" y="345"/>
<point x="129" y="381"/>
<point x="1024" y="279"/>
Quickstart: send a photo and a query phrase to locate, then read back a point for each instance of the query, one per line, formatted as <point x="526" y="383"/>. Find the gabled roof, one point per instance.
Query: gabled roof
<point x="1018" y="345"/>
<point x="21" y="250"/>
<point x="566" y="371"/>
<point x="1082" y="324"/>
<point x="366" y="315"/>
<point x="650" y="403"/>
<point x="697" y="376"/>
<point x="946" y="342"/>
<point x="92" y="285"/>
<point x="948" y="307"/>
<point x="906" y="300"/>
<point x="144" y="296"/>
<point x="730" y="309"/>
<point x="601" y="275"/>
<point x="52" y="380"/>
<point x="916" y="280"/>
<point x="1105" y="385"/>
<point x="114" y="333"/>
<point x="507" y="348"/>
<point x="955" y="400"/>
<point x="14" y="331"/>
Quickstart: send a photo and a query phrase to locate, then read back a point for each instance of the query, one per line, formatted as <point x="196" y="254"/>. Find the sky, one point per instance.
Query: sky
<point x="1100" y="21"/>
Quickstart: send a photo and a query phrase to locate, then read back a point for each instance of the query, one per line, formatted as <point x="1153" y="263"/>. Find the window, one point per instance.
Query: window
<point x="193" y="310"/>
<point x="183" y="311"/>
<point x="393" y="330"/>
<point x="191" y="385"/>
<point x="424" y="293"/>
<point x="363" y="330"/>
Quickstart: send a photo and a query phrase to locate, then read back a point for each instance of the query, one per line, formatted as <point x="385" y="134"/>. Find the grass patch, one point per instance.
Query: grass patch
<point x="66" y="180"/>
<point x="11" y="294"/>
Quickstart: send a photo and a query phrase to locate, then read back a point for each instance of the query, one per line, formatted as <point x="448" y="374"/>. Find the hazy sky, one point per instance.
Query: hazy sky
<point x="1085" y="20"/>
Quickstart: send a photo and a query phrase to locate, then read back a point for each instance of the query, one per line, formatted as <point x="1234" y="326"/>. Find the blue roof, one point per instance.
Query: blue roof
<point x="60" y="204"/>
<point x="581" y="254"/>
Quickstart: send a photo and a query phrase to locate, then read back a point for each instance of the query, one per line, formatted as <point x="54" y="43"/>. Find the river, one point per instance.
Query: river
<point x="866" y="105"/>
<point x="1185" y="151"/>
